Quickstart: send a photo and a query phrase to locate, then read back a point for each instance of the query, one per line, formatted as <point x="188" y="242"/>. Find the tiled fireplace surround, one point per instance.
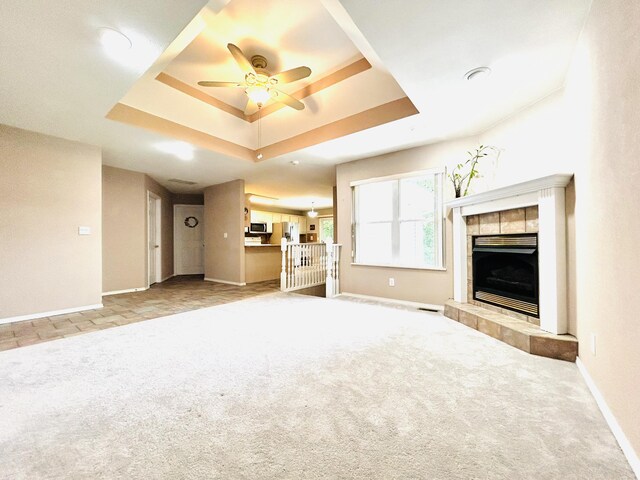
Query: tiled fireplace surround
<point x="516" y="220"/>
<point x="536" y="206"/>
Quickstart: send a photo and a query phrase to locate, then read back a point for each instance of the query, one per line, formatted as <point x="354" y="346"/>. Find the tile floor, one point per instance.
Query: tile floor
<point x="178" y="294"/>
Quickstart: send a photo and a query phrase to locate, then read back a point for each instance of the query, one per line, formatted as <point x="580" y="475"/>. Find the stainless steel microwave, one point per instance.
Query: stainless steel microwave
<point x="258" y="227"/>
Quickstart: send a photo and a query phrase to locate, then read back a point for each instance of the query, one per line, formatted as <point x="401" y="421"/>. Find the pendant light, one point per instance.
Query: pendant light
<point x="312" y="213"/>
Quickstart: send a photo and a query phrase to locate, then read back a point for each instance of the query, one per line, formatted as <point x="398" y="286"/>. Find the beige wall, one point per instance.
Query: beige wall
<point x="603" y="108"/>
<point x="424" y="286"/>
<point x="590" y="129"/>
<point x="166" y="225"/>
<point x="124" y="210"/>
<point x="123" y="230"/>
<point x="48" y="188"/>
<point x="224" y="213"/>
<point x="532" y="144"/>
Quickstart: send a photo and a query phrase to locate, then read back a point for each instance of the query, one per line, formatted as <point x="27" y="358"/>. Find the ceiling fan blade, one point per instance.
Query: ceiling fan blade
<point x="242" y="61"/>
<point x="280" y="96"/>
<point x="219" y="84"/>
<point x="251" y="108"/>
<point x="292" y="75"/>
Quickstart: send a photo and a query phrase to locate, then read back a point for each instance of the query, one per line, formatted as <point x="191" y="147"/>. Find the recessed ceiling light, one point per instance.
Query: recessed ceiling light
<point x="259" y="156"/>
<point x="182" y="150"/>
<point x="113" y="41"/>
<point x="478" y="73"/>
<point x="294" y="162"/>
<point x="132" y="50"/>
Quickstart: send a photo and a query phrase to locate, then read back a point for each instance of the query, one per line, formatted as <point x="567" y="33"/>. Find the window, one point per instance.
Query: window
<point x="398" y="221"/>
<point x="326" y="228"/>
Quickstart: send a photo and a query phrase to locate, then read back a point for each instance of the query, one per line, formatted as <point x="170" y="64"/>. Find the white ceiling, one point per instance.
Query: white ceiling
<point x="59" y="81"/>
<point x="288" y="33"/>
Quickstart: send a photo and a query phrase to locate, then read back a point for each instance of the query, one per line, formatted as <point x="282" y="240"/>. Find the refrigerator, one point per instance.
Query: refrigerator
<point x="287" y="230"/>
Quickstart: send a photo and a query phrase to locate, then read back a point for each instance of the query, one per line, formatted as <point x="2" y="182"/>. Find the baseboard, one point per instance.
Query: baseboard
<point x="128" y="290"/>
<point x="406" y="303"/>
<point x="623" y="441"/>
<point x="32" y="316"/>
<point x="225" y="281"/>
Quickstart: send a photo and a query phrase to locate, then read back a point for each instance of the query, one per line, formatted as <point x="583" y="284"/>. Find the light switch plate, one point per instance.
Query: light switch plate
<point x="84" y="230"/>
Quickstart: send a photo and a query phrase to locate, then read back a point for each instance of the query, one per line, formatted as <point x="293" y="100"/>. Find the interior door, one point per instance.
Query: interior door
<point x="153" y="245"/>
<point x="189" y="239"/>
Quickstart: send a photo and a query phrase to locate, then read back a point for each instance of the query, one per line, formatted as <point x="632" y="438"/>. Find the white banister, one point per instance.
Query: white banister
<point x="309" y="264"/>
<point x="283" y="273"/>
<point x="329" y="254"/>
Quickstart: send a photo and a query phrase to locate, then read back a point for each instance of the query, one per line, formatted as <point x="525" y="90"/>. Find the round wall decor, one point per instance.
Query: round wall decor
<point x="191" y="222"/>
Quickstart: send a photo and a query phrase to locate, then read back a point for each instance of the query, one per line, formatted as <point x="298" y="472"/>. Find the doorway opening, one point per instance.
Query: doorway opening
<point x="188" y="239"/>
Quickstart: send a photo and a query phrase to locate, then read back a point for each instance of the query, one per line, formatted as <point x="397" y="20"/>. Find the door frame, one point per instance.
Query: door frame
<point x="176" y="235"/>
<point x="158" y="234"/>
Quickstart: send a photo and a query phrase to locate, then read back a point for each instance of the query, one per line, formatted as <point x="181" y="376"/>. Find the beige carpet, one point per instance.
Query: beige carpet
<point x="293" y="387"/>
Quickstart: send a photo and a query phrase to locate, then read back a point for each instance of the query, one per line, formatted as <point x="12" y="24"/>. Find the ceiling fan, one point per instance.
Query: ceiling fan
<point x="259" y="86"/>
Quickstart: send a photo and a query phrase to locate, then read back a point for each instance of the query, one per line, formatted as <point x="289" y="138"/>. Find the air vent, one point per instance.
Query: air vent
<point x="182" y="182"/>
<point x="502" y="240"/>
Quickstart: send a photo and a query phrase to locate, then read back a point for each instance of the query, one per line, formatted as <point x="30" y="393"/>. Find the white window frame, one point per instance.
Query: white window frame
<point x="320" y="220"/>
<point x="440" y="220"/>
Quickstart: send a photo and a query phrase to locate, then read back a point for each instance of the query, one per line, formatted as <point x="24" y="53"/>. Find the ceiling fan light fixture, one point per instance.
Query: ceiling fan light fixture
<point x="259" y="94"/>
<point x="260" y="85"/>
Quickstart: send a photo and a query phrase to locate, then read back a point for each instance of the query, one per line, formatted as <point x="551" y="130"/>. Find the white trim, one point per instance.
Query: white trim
<point x="519" y="201"/>
<point x="560" y="180"/>
<point x="158" y="252"/>
<point x="126" y="290"/>
<point x="618" y="433"/>
<point x="460" y="273"/>
<point x="417" y="173"/>
<point x="52" y="313"/>
<point x="225" y="281"/>
<point x="407" y="267"/>
<point x="548" y="193"/>
<point x="406" y="303"/>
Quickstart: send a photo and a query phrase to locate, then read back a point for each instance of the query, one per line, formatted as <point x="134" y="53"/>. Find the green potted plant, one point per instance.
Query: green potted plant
<point x="463" y="173"/>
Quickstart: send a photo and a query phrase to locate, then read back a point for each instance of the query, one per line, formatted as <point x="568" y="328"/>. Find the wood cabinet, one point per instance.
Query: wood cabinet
<point x="271" y="217"/>
<point x="258" y="216"/>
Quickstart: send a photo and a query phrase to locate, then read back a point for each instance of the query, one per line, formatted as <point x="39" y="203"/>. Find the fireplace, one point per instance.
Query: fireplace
<point x="505" y="271"/>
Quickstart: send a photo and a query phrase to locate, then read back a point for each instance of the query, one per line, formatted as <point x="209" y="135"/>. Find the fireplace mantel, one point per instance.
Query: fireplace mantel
<point x="548" y="193"/>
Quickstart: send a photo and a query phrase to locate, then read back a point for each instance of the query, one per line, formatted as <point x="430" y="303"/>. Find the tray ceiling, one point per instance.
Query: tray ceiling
<point x="344" y="94"/>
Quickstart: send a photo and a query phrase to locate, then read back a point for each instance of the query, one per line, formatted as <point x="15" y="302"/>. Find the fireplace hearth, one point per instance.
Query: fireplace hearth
<point x="505" y="272"/>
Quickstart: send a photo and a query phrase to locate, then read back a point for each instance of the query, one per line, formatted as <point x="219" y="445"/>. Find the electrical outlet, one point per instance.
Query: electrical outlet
<point x="392" y="282"/>
<point x="593" y="344"/>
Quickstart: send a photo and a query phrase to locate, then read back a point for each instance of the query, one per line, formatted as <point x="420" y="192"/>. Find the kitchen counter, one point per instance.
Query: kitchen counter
<point x="262" y="263"/>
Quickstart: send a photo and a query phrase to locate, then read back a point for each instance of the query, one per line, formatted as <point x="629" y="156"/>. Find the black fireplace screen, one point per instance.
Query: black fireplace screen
<point x="505" y="271"/>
